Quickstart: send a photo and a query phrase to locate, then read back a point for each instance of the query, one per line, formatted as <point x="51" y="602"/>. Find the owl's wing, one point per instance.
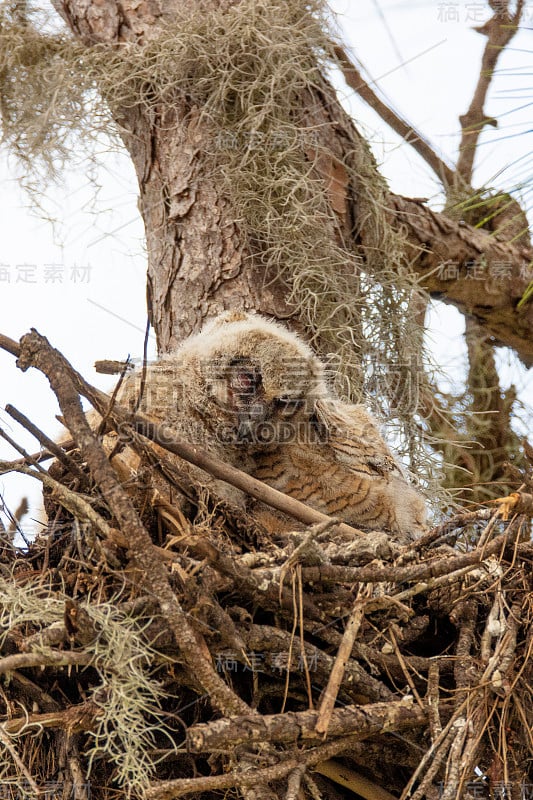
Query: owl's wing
<point x="353" y="436"/>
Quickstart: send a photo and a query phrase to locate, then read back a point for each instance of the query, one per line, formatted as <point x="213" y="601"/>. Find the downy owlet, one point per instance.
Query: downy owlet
<point x="253" y="394"/>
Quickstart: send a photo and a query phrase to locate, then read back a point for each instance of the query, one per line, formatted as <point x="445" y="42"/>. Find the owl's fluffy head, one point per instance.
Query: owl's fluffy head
<point x="251" y="380"/>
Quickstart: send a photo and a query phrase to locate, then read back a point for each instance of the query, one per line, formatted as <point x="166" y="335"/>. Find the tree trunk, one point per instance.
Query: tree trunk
<point x="200" y="260"/>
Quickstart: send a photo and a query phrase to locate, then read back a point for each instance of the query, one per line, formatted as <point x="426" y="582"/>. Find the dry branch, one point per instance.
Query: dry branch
<point x="52" y="448"/>
<point x="300" y="727"/>
<point x="74" y="720"/>
<point x="355" y="80"/>
<point x="487" y="278"/>
<point x="455" y="262"/>
<point x="329" y="696"/>
<point x="316" y="756"/>
<point x="24" y="660"/>
<point x="499" y="31"/>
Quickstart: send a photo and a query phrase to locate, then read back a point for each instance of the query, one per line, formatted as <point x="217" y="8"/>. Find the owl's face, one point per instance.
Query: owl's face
<point x="258" y="383"/>
<point x="256" y="404"/>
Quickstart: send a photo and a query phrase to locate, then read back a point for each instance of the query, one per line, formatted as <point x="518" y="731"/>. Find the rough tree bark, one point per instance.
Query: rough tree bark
<point x="197" y="260"/>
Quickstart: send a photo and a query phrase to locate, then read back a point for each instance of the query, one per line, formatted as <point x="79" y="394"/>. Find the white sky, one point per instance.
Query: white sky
<point x="87" y="293"/>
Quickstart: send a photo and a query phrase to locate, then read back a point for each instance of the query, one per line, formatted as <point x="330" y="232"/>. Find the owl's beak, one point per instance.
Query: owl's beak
<point x="249" y="419"/>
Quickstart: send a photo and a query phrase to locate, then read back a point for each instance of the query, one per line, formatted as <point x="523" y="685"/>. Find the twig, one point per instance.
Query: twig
<point x="343" y="654"/>
<point x="11" y="466"/>
<point x="34" y="692"/>
<point x="294" y="782"/>
<point x="403" y="665"/>
<point x="27" y="459"/>
<point x="432" y="700"/>
<point x="355" y="81"/>
<point x="9" y="345"/>
<point x="165" y="438"/>
<point x="464" y="670"/>
<point x="432" y="569"/>
<point x="434" y="756"/>
<point x="8" y="744"/>
<point x="301" y="619"/>
<point x="73" y="719"/>
<point x="50" y="659"/>
<point x="499" y="30"/>
<point x="312" y="788"/>
<point x="72" y="501"/>
<point x="45" y="441"/>
<point x="80" y="788"/>
<point x="15" y="519"/>
<point x="446" y="528"/>
<point x="432" y="583"/>
<point x="452" y="778"/>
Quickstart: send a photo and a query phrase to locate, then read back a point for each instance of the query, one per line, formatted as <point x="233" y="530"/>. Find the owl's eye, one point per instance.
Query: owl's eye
<point x="245" y="382"/>
<point x="244" y="378"/>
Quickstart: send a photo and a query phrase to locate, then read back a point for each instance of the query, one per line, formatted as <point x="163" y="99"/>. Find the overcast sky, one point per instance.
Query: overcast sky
<point x="81" y="280"/>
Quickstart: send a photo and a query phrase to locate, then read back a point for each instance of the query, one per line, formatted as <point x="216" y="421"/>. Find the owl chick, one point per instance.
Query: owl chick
<point x="254" y="394"/>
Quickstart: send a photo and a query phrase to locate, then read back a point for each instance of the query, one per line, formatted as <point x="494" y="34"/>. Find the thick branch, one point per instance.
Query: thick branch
<point x="472" y="270"/>
<point x="362" y="721"/>
<point x="356" y="683"/>
<point x="421" y="573"/>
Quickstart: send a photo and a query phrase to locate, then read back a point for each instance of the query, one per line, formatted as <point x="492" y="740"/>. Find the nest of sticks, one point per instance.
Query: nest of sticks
<point x="157" y="643"/>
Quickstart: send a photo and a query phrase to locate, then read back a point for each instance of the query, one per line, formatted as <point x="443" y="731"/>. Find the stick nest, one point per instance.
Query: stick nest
<point x="159" y="643"/>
